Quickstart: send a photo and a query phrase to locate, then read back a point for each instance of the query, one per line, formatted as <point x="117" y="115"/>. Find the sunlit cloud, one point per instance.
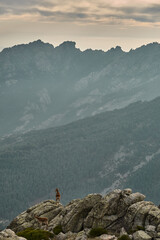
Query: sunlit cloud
<point x="85" y="11"/>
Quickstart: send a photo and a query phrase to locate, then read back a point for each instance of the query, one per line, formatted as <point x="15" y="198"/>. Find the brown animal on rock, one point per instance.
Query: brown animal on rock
<point x="58" y="196"/>
<point x="42" y="220"/>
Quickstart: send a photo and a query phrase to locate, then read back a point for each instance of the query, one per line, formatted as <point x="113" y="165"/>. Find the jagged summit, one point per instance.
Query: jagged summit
<point x="38" y="44"/>
<point x="71" y="45"/>
<point x="116" y="49"/>
<point x="67" y="47"/>
<point x="119" y="209"/>
<point x="151" y="47"/>
<point x="68" y="44"/>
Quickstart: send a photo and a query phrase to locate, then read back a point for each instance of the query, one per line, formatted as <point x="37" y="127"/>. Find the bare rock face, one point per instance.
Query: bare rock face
<point x="141" y="235"/>
<point x="120" y="209"/>
<point x="81" y="236"/>
<point x="108" y="237"/>
<point x="110" y="211"/>
<point x="73" y="219"/>
<point x="49" y="209"/>
<point x="141" y="214"/>
<point x="151" y="231"/>
<point x="8" y="234"/>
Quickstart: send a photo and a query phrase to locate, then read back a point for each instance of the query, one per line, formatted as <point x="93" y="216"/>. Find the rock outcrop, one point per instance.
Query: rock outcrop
<point x="8" y="234"/>
<point x="141" y="235"/>
<point x="117" y="211"/>
<point x="49" y="209"/>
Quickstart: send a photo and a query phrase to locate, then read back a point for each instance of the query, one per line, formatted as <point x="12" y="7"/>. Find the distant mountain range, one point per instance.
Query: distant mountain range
<point x="115" y="149"/>
<point x="43" y="86"/>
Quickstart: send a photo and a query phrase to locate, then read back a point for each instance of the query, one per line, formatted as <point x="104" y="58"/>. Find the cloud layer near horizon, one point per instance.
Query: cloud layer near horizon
<point x="115" y="12"/>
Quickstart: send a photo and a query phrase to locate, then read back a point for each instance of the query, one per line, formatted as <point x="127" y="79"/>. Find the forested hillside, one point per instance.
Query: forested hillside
<point x="44" y="86"/>
<point x="114" y="149"/>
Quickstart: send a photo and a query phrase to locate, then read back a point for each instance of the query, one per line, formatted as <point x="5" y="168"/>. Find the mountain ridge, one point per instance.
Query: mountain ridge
<point x="65" y="44"/>
<point x="34" y="77"/>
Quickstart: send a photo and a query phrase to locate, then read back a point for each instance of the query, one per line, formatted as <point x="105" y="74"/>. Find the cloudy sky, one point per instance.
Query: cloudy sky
<point x="96" y="24"/>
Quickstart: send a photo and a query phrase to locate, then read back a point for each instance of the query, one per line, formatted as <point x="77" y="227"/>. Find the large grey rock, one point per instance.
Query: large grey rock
<point x="49" y="209"/>
<point x="73" y="219"/>
<point x="127" y="191"/>
<point x="141" y="214"/>
<point x="8" y="234"/>
<point x="61" y="236"/>
<point x="123" y="232"/>
<point x="158" y="228"/>
<point x="108" y="237"/>
<point x="109" y="212"/>
<point x="81" y="236"/>
<point x="70" y="236"/>
<point x="141" y="235"/>
<point x="151" y="231"/>
<point x="136" y="215"/>
<point x="153" y="216"/>
<point x="150" y="228"/>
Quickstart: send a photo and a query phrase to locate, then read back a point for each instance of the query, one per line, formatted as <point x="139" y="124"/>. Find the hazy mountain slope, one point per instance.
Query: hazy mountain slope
<point x="110" y="150"/>
<point x="42" y="86"/>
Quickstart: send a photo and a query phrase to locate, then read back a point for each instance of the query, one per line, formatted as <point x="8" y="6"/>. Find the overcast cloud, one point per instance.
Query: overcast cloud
<point x="106" y="22"/>
<point x="106" y="12"/>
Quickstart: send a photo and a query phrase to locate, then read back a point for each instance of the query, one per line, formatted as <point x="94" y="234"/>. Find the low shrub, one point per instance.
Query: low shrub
<point x="57" y="229"/>
<point x="140" y="228"/>
<point x="95" y="232"/>
<point x="124" y="237"/>
<point x="137" y="228"/>
<point x="35" y="234"/>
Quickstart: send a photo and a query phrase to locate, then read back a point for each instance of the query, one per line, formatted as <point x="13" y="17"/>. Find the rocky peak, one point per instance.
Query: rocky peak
<point x="35" y="45"/>
<point x="37" y="42"/>
<point x="119" y="209"/>
<point x="67" y="45"/>
<point x="117" y="49"/>
<point x="40" y="44"/>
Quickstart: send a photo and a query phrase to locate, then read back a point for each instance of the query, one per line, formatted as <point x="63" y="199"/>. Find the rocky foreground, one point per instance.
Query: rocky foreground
<point x="120" y="212"/>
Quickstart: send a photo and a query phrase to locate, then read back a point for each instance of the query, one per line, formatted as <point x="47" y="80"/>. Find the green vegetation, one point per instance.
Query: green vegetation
<point x="57" y="229"/>
<point x="137" y="228"/>
<point x="95" y="232"/>
<point x="140" y="228"/>
<point x="35" y="234"/>
<point x="124" y="237"/>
